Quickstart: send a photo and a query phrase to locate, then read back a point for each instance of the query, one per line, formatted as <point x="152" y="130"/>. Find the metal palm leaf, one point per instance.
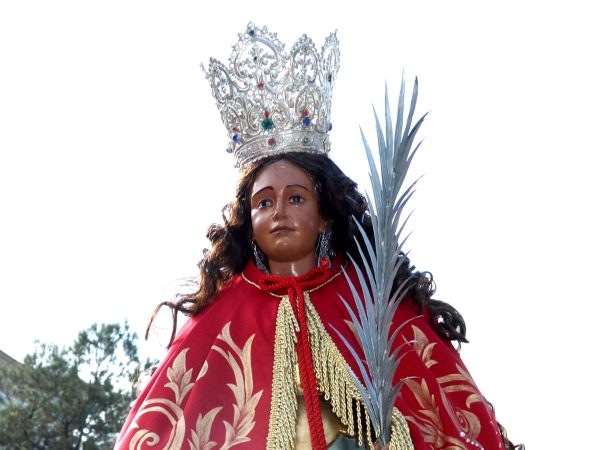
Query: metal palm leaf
<point x="380" y="261"/>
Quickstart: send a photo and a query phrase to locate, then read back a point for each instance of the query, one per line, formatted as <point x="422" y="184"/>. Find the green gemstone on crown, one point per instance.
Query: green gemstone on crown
<point x="267" y="124"/>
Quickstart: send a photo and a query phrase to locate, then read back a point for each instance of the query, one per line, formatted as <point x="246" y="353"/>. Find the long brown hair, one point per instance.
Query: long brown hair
<point x="339" y="202"/>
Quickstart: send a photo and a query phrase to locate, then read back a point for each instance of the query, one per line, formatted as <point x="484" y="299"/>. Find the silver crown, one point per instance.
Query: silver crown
<point x="272" y="102"/>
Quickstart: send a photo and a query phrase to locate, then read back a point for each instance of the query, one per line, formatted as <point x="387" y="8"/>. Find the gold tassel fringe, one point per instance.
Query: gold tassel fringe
<point x="284" y="403"/>
<point x="334" y="379"/>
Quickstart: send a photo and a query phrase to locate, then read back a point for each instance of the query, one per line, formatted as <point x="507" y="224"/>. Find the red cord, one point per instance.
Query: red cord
<point x="296" y="286"/>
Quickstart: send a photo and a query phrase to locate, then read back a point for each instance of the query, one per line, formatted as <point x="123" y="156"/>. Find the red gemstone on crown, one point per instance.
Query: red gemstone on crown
<point x="261" y="85"/>
<point x="305" y="112"/>
<point x="272" y="142"/>
<point x="267" y="114"/>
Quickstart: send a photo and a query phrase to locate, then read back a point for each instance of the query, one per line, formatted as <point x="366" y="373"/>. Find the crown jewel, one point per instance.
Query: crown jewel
<point x="272" y="102"/>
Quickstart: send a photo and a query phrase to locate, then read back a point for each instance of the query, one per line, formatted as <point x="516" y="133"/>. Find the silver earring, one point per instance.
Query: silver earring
<point x="324" y="251"/>
<point x="259" y="257"/>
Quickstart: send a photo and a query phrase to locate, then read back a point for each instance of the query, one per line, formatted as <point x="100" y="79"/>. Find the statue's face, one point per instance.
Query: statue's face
<point x="285" y="214"/>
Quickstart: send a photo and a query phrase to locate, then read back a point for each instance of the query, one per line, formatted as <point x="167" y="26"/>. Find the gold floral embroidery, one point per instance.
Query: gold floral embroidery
<point x="200" y="437"/>
<point x="179" y="383"/>
<point x="423" y="347"/>
<point x="180" y="376"/>
<point x="203" y="370"/>
<point x="427" y="419"/>
<point x="468" y="385"/>
<point x="236" y="432"/>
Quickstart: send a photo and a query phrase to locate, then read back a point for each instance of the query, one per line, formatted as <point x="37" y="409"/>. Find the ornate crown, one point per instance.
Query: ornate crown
<point x="272" y="102"/>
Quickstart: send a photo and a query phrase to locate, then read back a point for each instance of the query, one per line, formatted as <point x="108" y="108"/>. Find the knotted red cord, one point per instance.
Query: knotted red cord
<point x="296" y="286"/>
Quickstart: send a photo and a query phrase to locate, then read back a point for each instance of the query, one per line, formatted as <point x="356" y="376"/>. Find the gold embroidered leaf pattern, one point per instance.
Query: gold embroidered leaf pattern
<point x="203" y="370"/>
<point x="426" y="401"/>
<point x="179" y="378"/>
<point x="436" y="436"/>
<point x="423" y="347"/>
<point x="473" y="398"/>
<point x="450" y="378"/>
<point x="201" y="435"/>
<point x="464" y="384"/>
<point x="459" y="388"/>
<point x="428" y="418"/>
<point x="465" y="374"/>
<point x="244" y="408"/>
<point x="179" y="382"/>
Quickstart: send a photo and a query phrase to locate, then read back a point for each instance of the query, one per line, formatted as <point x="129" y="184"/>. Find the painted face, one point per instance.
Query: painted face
<point x="285" y="214"/>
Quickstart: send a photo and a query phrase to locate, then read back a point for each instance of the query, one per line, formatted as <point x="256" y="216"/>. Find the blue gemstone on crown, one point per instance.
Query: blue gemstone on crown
<point x="306" y="121"/>
<point x="236" y="138"/>
<point x="251" y="33"/>
<point x="329" y="127"/>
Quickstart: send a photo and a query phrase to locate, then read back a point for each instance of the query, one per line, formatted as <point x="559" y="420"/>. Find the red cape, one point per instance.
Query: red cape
<point x="226" y="379"/>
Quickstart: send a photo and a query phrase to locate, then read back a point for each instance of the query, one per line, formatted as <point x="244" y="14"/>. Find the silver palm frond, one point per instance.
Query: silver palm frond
<point x="380" y="260"/>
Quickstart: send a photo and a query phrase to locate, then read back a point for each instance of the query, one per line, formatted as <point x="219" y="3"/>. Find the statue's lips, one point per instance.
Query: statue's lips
<point x="281" y="229"/>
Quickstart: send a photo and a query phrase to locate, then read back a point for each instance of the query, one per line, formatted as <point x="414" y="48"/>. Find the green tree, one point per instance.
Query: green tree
<point x="71" y="398"/>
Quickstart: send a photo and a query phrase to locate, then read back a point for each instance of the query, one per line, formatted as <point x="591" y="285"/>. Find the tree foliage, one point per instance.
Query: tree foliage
<point x="71" y="398"/>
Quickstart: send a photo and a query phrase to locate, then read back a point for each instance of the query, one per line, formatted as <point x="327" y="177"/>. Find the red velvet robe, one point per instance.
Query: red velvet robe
<point x="227" y="380"/>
